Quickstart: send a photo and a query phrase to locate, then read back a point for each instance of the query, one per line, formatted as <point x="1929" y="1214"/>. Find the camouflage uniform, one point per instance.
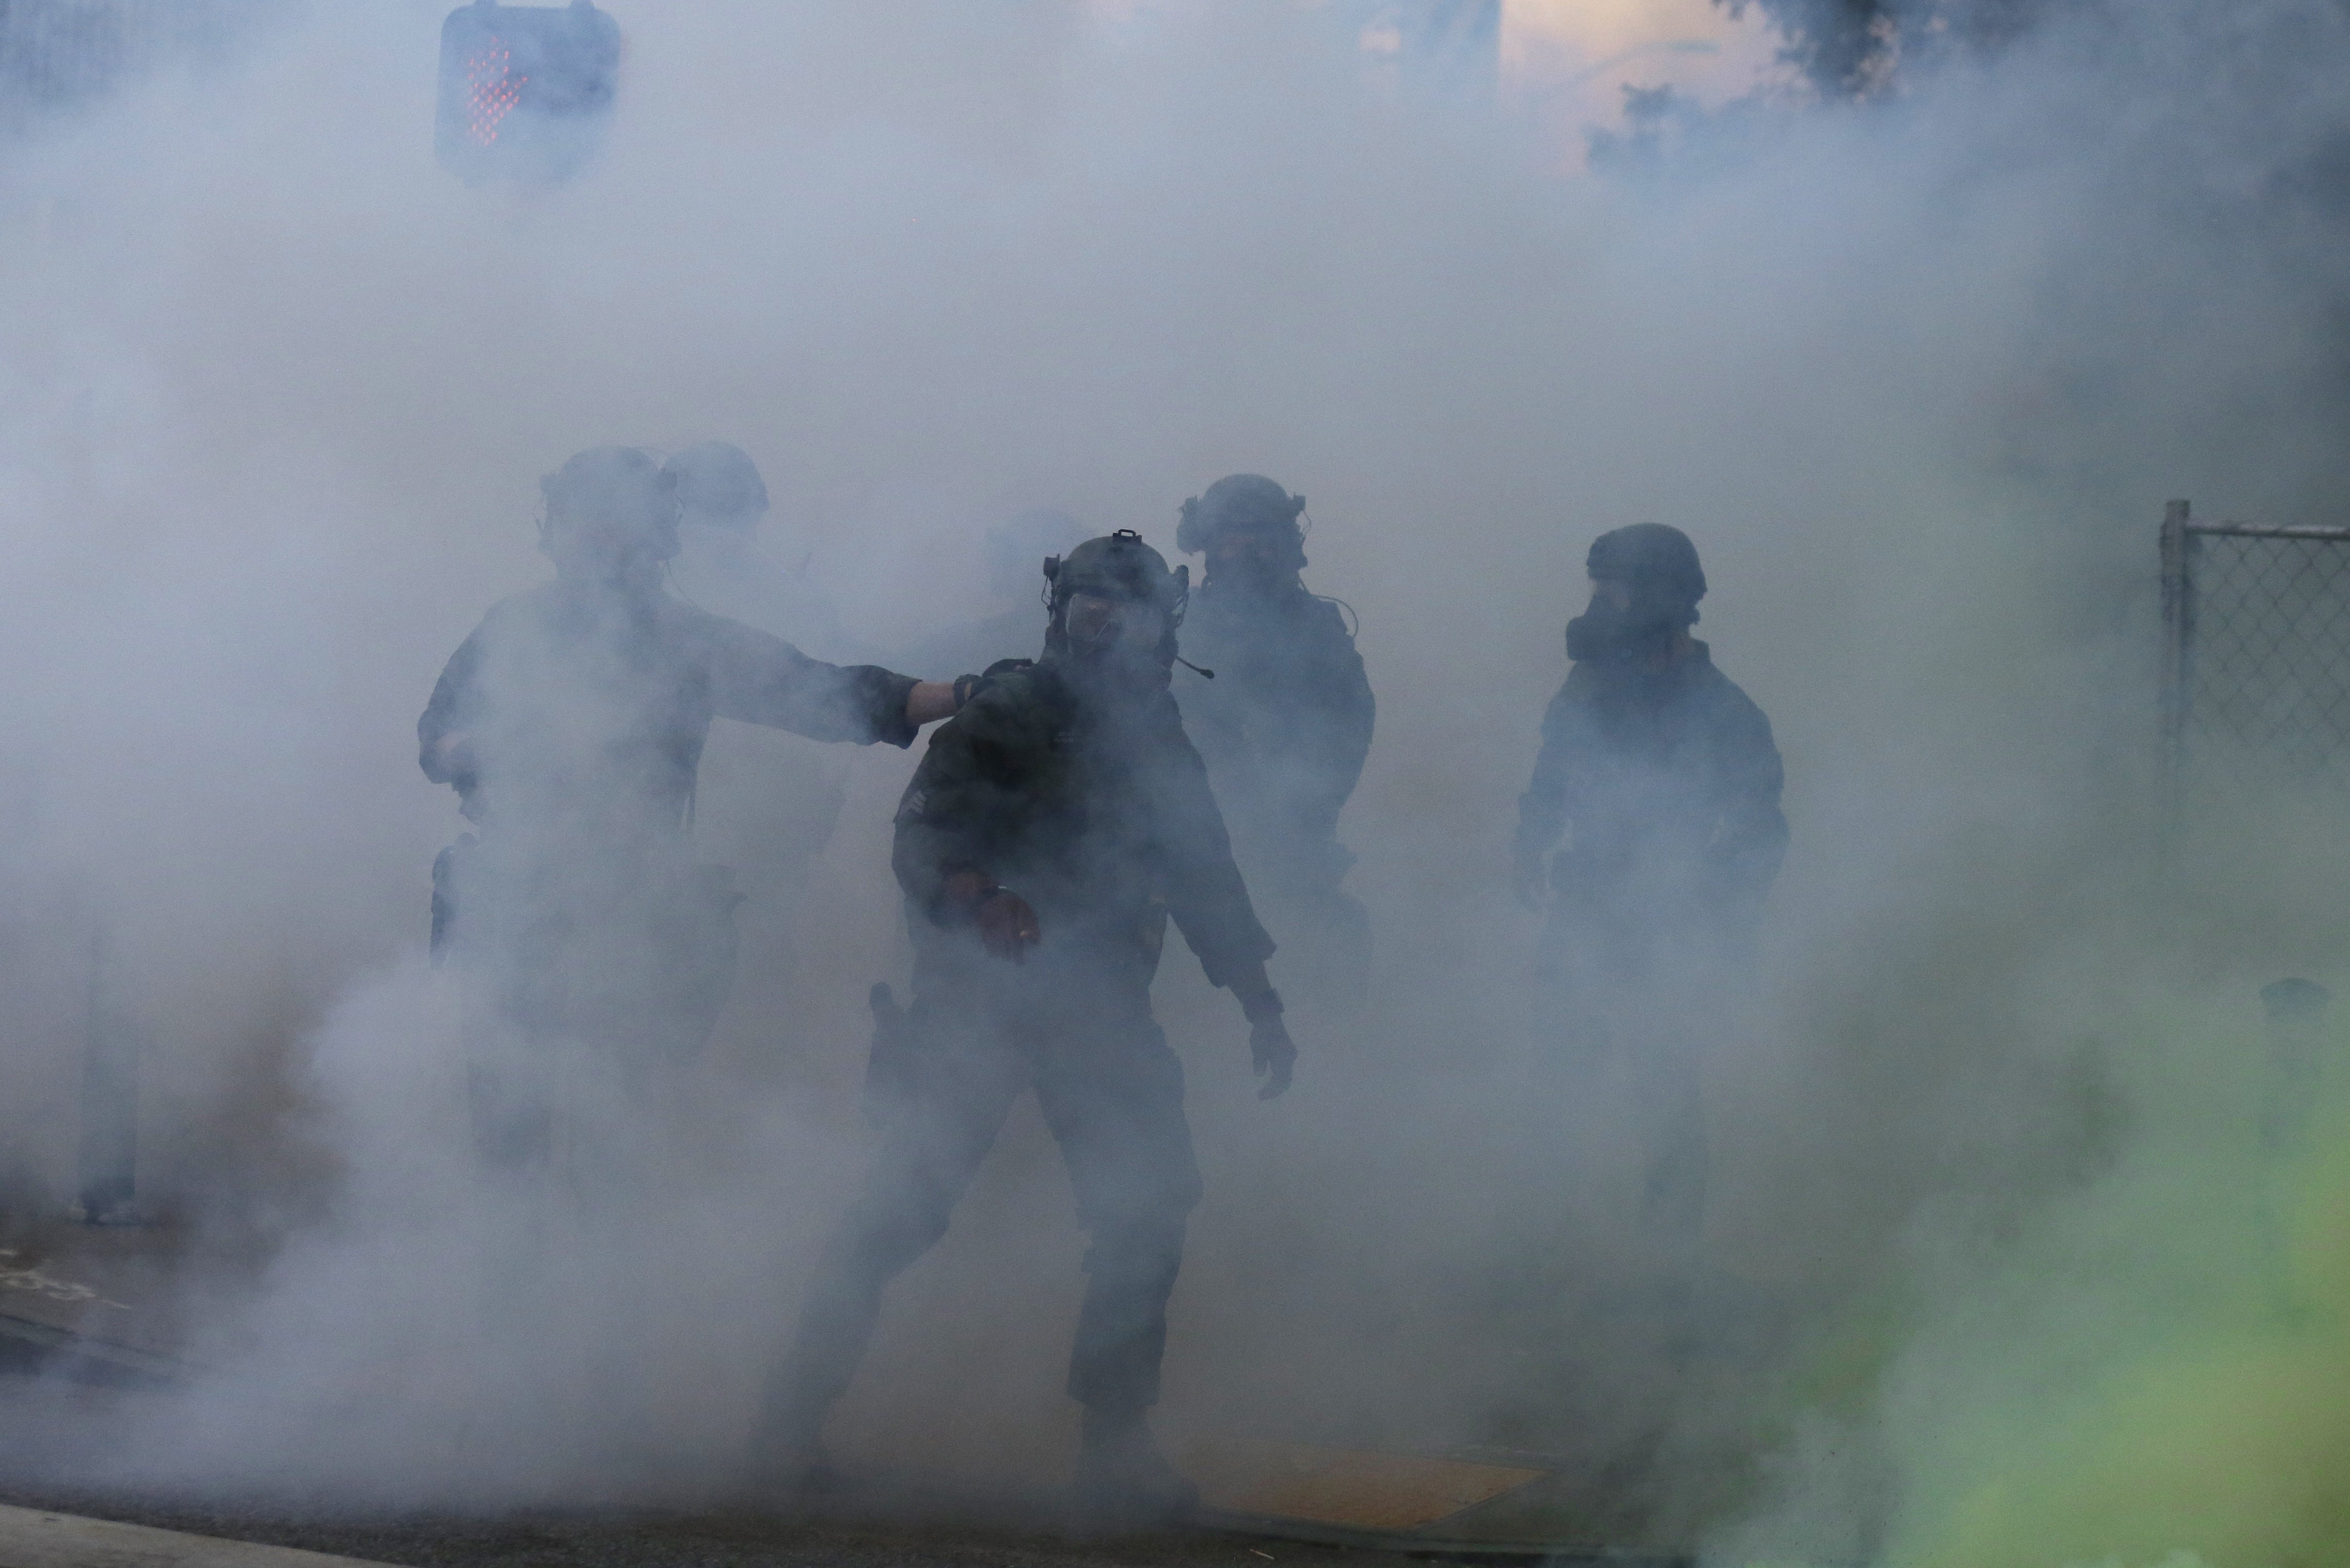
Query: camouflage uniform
<point x="1100" y="816"/>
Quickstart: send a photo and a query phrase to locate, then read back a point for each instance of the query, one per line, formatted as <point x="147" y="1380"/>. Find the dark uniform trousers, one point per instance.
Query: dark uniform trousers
<point x="938" y="1092"/>
<point x="1667" y="785"/>
<point x="1615" y="983"/>
<point x="597" y="954"/>
<point x="583" y="987"/>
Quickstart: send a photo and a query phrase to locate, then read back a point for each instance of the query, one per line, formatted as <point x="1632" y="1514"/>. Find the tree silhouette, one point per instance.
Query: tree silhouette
<point x="1857" y="48"/>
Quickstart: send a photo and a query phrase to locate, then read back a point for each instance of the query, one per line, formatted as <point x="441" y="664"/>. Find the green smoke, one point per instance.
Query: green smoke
<point x="2157" y="1374"/>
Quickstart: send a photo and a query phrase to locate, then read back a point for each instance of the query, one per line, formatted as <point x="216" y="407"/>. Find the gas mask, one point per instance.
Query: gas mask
<point x="1625" y="623"/>
<point x="607" y="551"/>
<point x="1115" y="610"/>
<point x="611" y="517"/>
<point x="1114" y="633"/>
<point x="1261" y="560"/>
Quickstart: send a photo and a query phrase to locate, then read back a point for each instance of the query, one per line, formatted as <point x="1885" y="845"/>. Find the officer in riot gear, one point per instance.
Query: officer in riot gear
<point x="571" y="722"/>
<point x="1661" y="778"/>
<point x="1286" y="722"/>
<point x="1052" y="829"/>
<point x="718" y="485"/>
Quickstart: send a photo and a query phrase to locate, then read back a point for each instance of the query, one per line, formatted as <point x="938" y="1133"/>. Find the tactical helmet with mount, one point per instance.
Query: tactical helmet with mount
<point x="1657" y="582"/>
<point x="1119" y="568"/>
<point x="1249" y="501"/>
<point x="623" y="485"/>
<point x="1652" y="559"/>
<point x="717" y="483"/>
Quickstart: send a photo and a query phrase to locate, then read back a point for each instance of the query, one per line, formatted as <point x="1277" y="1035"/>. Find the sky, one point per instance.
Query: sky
<point x="1574" y="58"/>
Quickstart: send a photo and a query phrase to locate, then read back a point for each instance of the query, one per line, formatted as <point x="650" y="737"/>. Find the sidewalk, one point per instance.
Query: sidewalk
<point x="30" y="1537"/>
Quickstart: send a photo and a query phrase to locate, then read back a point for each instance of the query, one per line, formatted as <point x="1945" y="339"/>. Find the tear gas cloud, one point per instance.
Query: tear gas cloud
<point x="1916" y="376"/>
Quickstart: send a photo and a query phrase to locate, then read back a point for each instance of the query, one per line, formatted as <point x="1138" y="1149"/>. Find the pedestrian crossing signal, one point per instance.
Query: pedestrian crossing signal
<point x="526" y="91"/>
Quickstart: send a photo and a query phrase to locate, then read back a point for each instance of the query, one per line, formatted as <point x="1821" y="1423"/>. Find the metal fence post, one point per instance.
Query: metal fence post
<point x="2177" y="656"/>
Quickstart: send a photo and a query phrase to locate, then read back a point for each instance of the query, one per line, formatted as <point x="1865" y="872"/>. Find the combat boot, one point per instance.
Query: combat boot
<point x="1123" y="1482"/>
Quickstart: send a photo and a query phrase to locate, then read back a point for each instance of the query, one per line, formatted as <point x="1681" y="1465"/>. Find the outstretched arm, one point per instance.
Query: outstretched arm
<point x="929" y="700"/>
<point x="762" y="680"/>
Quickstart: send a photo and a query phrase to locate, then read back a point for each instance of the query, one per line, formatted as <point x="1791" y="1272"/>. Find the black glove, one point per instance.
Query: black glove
<point x="1273" y="1053"/>
<point x="1007" y="926"/>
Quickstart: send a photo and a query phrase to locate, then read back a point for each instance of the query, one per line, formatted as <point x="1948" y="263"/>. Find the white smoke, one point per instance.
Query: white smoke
<point x="275" y="392"/>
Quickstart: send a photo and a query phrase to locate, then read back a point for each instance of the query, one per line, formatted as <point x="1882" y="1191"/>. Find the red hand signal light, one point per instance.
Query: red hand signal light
<point x="526" y="91"/>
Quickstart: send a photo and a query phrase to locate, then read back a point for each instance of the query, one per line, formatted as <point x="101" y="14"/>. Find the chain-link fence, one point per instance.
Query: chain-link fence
<point x="2256" y="622"/>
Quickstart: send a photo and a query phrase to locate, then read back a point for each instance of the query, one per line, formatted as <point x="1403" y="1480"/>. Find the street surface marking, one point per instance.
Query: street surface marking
<point x="32" y="1538"/>
<point x="1347" y="1487"/>
<point x="12" y="1278"/>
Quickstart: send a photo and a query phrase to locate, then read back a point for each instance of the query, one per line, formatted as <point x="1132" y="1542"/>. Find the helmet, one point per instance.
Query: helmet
<point x="622" y="484"/>
<point x="717" y="483"/>
<point x="1652" y="558"/>
<point x="1118" y="567"/>
<point x="1242" y="501"/>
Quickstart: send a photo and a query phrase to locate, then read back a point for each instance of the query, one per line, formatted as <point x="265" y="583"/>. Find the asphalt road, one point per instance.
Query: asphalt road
<point x="45" y="1431"/>
<point x="648" y="1541"/>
